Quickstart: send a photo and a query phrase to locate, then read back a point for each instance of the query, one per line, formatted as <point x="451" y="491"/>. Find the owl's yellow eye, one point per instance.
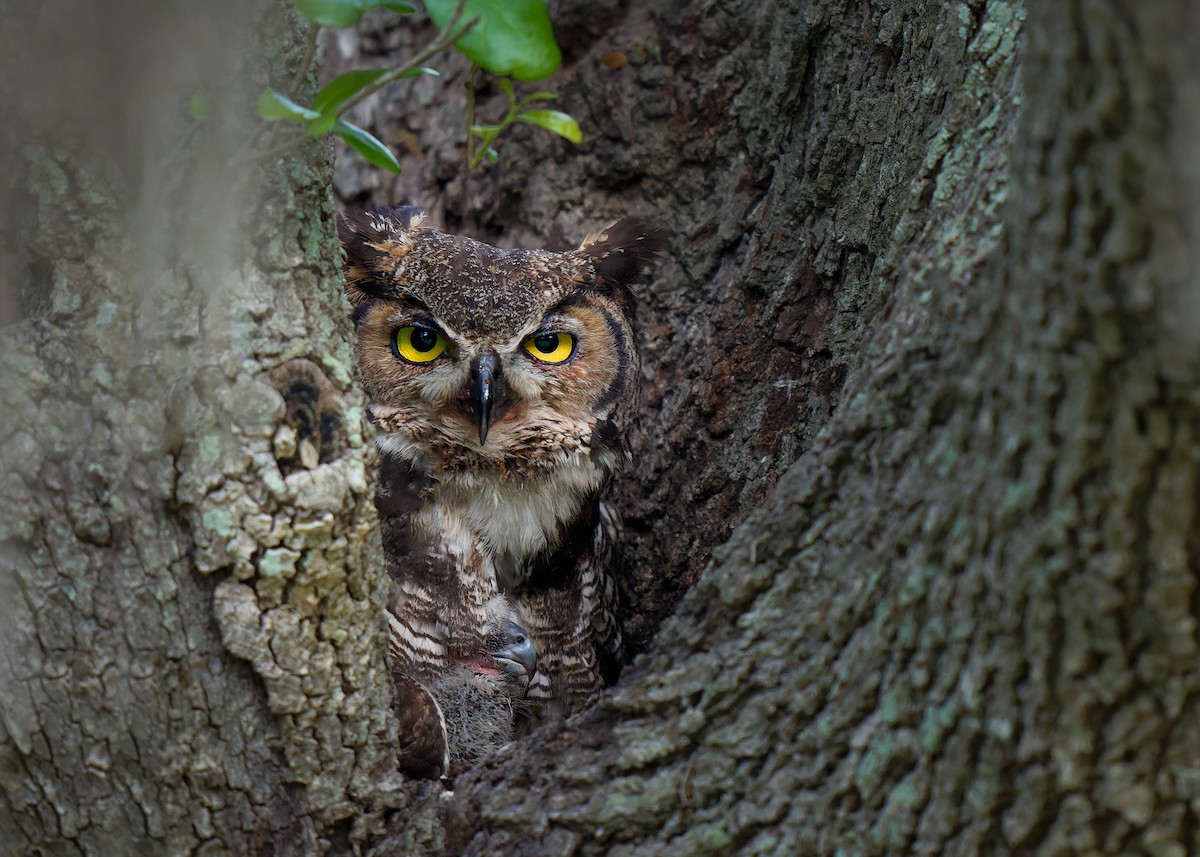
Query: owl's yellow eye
<point x="418" y="344"/>
<point x="551" y="347"/>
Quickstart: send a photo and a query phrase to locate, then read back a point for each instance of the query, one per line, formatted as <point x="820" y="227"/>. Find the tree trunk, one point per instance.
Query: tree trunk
<point x="918" y="455"/>
<point x="191" y="648"/>
<point x="936" y="259"/>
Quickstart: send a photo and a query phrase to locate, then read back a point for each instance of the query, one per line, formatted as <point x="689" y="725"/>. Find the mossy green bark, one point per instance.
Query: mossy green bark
<point x="192" y="632"/>
<point x="921" y="368"/>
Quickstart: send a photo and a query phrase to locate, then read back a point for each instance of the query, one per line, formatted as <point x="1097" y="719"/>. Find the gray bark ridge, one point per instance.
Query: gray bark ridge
<point x="770" y="714"/>
<point x="964" y="620"/>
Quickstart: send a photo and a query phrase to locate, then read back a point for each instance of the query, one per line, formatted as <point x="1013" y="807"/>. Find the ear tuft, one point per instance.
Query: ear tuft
<point x="364" y="233"/>
<point x="621" y="251"/>
<point x="373" y="240"/>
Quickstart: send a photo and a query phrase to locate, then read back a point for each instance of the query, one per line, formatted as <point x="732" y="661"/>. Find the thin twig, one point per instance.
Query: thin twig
<point x="515" y="107"/>
<point x="470" y="137"/>
<point x="283" y="148"/>
<point x="471" y="115"/>
<point x="310" y="51"/>
<point x="444" y="39"/>
<point x="447" y="37"/>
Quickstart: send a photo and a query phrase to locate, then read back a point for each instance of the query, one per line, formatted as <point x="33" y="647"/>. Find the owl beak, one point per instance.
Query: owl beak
<point x="485" y="376"/>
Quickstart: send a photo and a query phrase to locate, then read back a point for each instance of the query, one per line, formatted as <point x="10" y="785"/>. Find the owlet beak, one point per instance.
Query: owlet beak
<point x="519" y="657"/>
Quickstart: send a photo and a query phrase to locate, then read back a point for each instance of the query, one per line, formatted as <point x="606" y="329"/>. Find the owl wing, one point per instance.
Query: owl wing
<point x="601" y="595"/>
<point x="434" y="611"/>
<point x="424" y="750"/>
<point x="572" y="613"/>
<point x="425" y="611"/>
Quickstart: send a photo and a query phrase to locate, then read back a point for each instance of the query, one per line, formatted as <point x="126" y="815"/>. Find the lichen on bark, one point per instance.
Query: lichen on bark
<point x="920" y="420"/>
<point x="193" y="637"/>
<point x="963" y="621"/>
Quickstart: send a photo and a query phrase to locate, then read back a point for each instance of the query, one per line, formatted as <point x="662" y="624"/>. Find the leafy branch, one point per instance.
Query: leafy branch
<point x="505" y="37"/>
<point x="552" y="120"/>
<point x="347" y="90"/>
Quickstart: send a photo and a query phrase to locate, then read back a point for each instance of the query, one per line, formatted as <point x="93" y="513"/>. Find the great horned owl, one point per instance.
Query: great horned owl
<point x="503" y="384"/>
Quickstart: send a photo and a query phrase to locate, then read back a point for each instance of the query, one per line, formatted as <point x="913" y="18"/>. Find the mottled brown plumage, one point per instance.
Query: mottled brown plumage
<point x="503" y="384"/>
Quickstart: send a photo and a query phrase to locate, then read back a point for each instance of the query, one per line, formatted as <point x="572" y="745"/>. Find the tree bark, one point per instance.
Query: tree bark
<point x="917" y="480"/>
<point x="780" y="144"/>
<point x="935" y="261"/>
<point x="191" y="647"/>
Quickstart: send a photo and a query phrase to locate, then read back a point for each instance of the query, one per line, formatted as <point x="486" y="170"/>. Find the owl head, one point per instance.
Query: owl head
<point x="473" y="356"/>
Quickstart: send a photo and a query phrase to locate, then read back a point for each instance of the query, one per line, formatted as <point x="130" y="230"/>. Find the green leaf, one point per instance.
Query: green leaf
<point x="345" y="86"/>
<point x="553" y="120"/>
<point x="323" y="124"/>
<point x="366" y="145"/>
<point x="506" y="87"/>
<point x="486" y="133"/>
<point x="274" y="106"/>
<point x="344" y="13"/>
<point x="492" y="154"/>
<point x="513" y="37"/>
<point x="200" y="105"/>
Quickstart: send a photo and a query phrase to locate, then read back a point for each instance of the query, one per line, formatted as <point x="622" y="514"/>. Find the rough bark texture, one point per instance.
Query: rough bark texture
<point x="191" y="657"/>
<point x="919" y="435"/>
<point x="955" y="292"/>
<point x="778" y="144"/>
